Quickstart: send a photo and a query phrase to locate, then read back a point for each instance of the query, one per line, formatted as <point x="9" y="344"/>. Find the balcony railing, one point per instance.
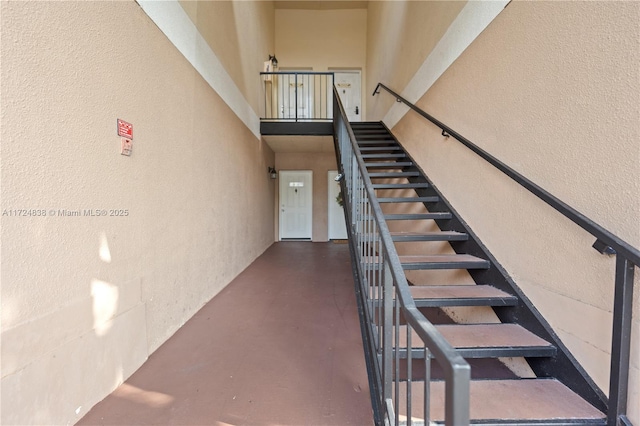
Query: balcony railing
<point x="297" y="103"/>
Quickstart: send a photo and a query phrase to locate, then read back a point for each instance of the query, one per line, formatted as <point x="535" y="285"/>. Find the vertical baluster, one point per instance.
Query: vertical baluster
<point x="409" y="372"/>
<point x="427" y="385"/>
<point x="621" y="340"/>
<point x="396" y="367"/>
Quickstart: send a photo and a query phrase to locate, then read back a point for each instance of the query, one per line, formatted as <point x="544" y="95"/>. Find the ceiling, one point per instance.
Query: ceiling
<point x="320" y="5"/>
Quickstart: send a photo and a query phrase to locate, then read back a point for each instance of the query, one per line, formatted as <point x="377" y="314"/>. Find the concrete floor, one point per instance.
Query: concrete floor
<point x="280" y="345"/>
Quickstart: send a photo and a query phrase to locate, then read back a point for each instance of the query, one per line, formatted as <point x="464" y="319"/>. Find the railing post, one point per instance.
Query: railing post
<point x="621" y="340"/>
<point x="295" y="92"/>
<point x="457" y="397"/>
<point x="387" y="329"/>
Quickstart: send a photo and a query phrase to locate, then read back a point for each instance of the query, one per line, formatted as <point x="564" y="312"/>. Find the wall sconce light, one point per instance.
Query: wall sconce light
<point x="273" y="173"/>
<point x="339" y="177"/>
<point x="274" y="61"/>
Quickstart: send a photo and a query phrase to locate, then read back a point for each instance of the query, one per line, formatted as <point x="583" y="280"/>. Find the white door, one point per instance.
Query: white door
<point x="348" y="85"/>
<point x="295" y="204"/>
<point x="296" y="94"/>
<point x="337" y="226"/>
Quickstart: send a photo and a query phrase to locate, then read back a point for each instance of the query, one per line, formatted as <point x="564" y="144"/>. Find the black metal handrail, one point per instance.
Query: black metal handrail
<point x="379" y="267"/>
<point x="613" y="241"/>
<point x="627" y="259"/>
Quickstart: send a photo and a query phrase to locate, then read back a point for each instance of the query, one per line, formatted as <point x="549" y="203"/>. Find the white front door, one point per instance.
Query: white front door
<point x="337" y="226"/>
<point x="348" y="85"/>
<point x="295" y="204"/>
<point x="296" y="95"/>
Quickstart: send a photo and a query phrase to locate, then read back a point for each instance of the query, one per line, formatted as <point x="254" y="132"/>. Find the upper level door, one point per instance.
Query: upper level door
<point x="295" y="93"/>
<point x="296" y="204"/>
<point x="348" y="85"/>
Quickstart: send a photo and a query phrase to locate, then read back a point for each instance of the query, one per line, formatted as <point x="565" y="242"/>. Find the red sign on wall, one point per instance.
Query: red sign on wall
<point x="125" y="129"/>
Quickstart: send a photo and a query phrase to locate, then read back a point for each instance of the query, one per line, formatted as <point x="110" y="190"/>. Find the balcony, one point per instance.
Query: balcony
<point x="297" y="104"/>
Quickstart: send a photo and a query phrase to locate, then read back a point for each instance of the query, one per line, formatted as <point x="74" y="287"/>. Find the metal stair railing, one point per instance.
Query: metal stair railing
<point x="294" y="96"/>
<point x="627" y="259"/>
<point x="386" y="300"/>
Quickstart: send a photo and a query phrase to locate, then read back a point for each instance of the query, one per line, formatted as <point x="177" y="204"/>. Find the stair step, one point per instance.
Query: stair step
<point x="368" y="127"/>
<point x="366" y="123"/>
<point x="400" y="185"/>
<point x="389" y="165"/>
<point x="382" y="142"/>
<point x="484" y="341"/>
<point x="418" y="216"/>
<point x="409" y="199"/>
<point x="443" y="261"/>
<point x="428" y="236"/>
<point x="400" y="155"/>
<point x="429" y="296"/>
<point x="377" y="131"/>
<point x="529" y="401"/>
<point x="393" y="174"/>
<point x="380" y="148"/>
<point x="376" y="136"/>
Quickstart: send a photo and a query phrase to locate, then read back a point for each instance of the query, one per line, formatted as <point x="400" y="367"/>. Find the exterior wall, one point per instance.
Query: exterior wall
<point x="241" y="35"/>
<point x="85" y="300"/>
<point x="550" y="88"/>
<point x="322" y="39"/>
<point x="320" y="163"/>
<point x="400" y="36"/>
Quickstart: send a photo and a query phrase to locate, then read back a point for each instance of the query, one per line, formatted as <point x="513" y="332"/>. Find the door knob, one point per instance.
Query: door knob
<point x="357" y="111"/>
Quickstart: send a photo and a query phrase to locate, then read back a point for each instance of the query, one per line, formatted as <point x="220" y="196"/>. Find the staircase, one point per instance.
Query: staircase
<point x="460" y="287"/>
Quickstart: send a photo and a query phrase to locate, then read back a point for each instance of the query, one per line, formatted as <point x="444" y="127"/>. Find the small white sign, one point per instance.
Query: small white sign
<point x="126" y="146"/>
<point x="296" y="184"/>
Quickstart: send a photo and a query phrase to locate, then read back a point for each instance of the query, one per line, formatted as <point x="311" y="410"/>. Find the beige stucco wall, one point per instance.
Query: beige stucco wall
<point x="241" y="33"/>
<point x="400" y="36"/>
<point x="85" y="300"/>
<point x="322" y="40"/>
<point x="551" y="89"/>
<point x="319" y="163"/>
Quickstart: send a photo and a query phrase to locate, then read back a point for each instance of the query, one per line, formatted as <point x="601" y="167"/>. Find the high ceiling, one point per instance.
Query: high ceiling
<point x="320" y="5"/>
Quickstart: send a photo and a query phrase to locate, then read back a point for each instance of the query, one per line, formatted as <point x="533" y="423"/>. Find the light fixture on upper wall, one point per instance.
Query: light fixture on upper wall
<point x="274" y="61"/>
<point x="273" y="173"/>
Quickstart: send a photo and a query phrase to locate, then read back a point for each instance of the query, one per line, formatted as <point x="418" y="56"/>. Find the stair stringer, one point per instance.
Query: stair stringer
<point x="564" y="366"/>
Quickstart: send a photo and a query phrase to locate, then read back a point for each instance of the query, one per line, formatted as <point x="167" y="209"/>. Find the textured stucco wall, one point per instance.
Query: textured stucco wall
<point x="241" y="33"/>
<point x="85" y="300"/>
<point x="322" y="39"/>
<point x="400" y="36"/>
<point x="551" y="89"/>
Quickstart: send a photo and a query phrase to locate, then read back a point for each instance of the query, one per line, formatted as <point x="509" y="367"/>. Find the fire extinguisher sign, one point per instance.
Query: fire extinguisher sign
<point x="125" y="129"/>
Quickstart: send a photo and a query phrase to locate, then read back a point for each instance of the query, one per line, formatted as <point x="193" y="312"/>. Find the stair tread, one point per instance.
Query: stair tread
<point x="400" y="155"/>
<point x="429" y="236"/>
<point x="380" y="148"/>
<point x="376" y="143"/>
<point x="400" y="185"/>
<point x="460" y="295"/>
<point x="476" y="336"/>
<point x="393" y="174"/>
<point x="443" y="261"/>
<point x="389" y="164"/>
<point x="520" y="399"/>
<point x="418" y="216"/>
<point x="431" y="199"/>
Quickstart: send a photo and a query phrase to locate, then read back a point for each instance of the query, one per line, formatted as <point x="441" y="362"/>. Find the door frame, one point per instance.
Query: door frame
<point x="336" y="70"/>
<point x="281" y="183"/>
